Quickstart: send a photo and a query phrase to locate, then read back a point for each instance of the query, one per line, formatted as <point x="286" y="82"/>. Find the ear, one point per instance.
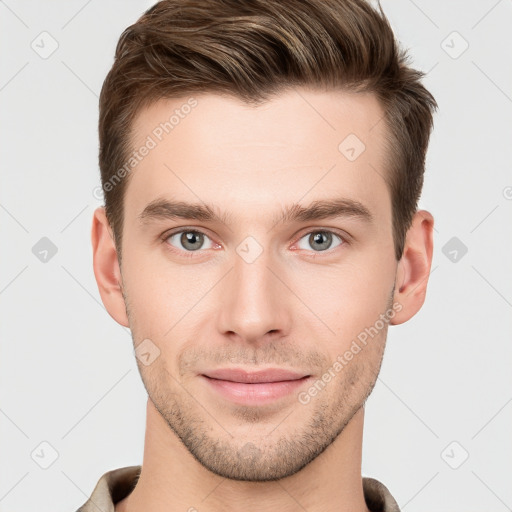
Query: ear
<point x="106" y="267"/>
<point x="414" y="267"/>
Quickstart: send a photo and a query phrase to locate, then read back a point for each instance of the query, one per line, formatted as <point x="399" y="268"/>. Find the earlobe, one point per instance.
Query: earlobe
<point x="106" y="267"/>
<point x="414" y="267"/>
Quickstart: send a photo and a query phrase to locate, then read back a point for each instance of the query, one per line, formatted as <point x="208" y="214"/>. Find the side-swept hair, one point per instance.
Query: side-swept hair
<point x="253" y="49"/>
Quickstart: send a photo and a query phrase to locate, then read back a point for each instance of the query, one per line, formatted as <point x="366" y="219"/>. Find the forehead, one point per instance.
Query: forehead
<point x="300" y="143"/>
<point x="291" y="117"/>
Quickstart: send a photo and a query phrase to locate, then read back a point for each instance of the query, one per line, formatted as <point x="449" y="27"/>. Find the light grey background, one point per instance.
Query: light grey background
<point x="68" y="377"/>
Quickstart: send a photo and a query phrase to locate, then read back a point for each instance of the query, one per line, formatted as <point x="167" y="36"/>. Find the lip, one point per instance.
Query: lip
<point x="255" y="377"/>
<point x="254" y="387"/>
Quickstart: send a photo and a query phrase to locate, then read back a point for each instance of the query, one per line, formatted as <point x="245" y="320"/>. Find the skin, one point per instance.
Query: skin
<point x="283" y="310"/>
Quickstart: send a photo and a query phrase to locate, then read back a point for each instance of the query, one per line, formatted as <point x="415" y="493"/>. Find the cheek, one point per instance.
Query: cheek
<point x="151" y="291"/>
<point x="344" y="299"/>
<point x="150" y="305"/>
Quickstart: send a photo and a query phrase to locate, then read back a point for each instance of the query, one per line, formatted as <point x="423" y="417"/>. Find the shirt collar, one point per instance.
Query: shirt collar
<point x="116" y="484"/>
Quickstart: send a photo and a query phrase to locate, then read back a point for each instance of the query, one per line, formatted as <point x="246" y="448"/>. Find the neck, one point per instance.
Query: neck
<point x="172" y="479"/>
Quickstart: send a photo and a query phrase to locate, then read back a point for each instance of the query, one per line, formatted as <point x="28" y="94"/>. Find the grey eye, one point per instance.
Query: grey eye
<point x="189" y="240"/>
<point x="320" y="240"/>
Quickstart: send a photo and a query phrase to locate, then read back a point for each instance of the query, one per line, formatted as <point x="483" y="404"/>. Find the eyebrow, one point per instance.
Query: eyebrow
<point x="164" y="209"/>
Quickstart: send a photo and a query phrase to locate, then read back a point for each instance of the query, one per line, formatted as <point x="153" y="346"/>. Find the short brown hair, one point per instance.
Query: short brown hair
<point x="253" y="49"/>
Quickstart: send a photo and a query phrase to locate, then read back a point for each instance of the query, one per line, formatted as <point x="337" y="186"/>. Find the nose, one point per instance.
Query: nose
<point x="254" y="302"/>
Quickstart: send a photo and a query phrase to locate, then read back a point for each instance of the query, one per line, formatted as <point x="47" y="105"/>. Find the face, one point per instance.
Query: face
<point x="244" y="286"/>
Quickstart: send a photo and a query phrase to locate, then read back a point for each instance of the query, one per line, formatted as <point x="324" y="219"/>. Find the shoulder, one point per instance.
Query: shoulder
<point x="378" y="497"/>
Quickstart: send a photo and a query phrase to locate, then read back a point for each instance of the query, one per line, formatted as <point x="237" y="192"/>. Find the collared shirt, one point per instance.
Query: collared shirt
<point x="115" y="485"/>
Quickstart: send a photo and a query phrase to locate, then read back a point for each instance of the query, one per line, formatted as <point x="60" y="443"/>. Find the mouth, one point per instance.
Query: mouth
<point x="256" y="377"/>
<point x="254" y="387"/>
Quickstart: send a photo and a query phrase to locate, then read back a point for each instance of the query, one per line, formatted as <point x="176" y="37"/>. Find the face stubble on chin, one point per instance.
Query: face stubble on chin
<point x="288" y="444"/>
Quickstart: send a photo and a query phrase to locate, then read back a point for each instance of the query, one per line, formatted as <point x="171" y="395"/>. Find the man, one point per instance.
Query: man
<point x="261" y="163"/>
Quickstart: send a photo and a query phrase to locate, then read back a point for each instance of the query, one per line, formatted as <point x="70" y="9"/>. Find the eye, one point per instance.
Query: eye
<point x="193" y="240"/>
<point x="321" y="240"/>
<point x="189" y="240"/>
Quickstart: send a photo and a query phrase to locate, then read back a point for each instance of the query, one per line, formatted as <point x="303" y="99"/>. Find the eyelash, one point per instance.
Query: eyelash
<point x="191" y="254"/>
